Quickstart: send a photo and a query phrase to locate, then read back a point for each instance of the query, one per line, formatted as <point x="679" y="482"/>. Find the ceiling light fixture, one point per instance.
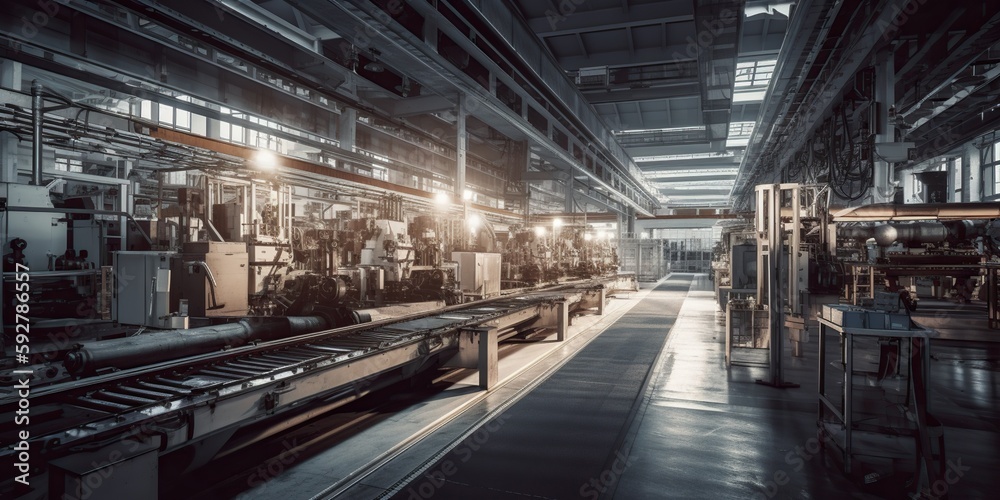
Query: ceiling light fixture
<point x="374" y="66"/>
<point x="266" y="159"/>
<point x="404" y="87"/>
<point x="442" y="199"/>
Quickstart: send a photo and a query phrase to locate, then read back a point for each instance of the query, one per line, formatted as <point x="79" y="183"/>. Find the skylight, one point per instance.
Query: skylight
<point x="692" y="156"/>
<point x="748" y="95"/>
<point x="650" y="130"/>
<point x="754" y="74"/>
<point x="740" y="129"/>
<point x="699" y="172"/>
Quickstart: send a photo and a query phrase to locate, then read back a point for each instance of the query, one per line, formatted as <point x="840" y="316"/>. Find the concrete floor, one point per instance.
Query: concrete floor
<point x="708" y="430"/>
<point x="694" y="429"/>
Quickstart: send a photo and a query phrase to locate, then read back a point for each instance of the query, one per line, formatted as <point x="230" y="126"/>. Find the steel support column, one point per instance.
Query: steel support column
<point x="477" y="348"/>
<point x="37" y="113"/>
<point x="882" y="190"/>
<point x="770" y="258"/>
<point x="347" y="128"/>
<point x="562" y="320"/>
<point x="10" y="78"/>
<point x="461" y="145"/>
<point x="774" y="303"/>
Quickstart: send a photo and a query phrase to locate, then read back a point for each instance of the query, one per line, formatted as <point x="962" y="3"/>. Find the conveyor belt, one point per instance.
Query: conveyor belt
<point x="197" y="396"/>
<point x="553" y="441"/>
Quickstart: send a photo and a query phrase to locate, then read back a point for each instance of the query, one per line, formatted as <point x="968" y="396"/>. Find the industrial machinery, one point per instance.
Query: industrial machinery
<point x="902" y="253"/>
<point x="796" y="270"/>
<point x="526" y="257"/>
<point x="734" y="264"/>
<point x="268" y="264"/>
<point x="533" y="255"/>
<point x="478" y="273"/>
<point x="145" y="397"/>
<point x="59" y="245"/>
<point x="930" y="255"/>
<point x="212" y="277"/>
<point x="141" y="295"/>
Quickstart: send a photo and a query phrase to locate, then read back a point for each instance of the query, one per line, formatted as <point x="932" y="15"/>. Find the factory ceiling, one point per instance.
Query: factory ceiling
<point x="687" y="86"/>
<point x="623" y="106"/>
<point x="680" y="82"/>
<point x="853" y="77"/>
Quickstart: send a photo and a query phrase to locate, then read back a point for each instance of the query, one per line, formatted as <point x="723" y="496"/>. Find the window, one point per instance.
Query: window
<point x="955" y="164"/>
<point x="175" y="178"/>
<point x="754" y="74"/>
<point x="916" y="189"/>
<point x="996" y="168"/>
<point x="69" y="165"/>
<point x="231" y="132"/>
<point x="146" y="109"/>
<point x="739" y="134"/>
<point x="262" y="140"/>
<point x="171" y="116"/>
<point x="182" y="119"/>
<point x="166" y="114"/>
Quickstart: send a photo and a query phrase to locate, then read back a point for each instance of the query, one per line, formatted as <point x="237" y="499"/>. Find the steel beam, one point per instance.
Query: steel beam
<point x="37" y="111"/>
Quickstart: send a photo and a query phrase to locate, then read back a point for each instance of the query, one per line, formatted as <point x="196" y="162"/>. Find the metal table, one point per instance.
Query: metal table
<point x="916" y="401"/>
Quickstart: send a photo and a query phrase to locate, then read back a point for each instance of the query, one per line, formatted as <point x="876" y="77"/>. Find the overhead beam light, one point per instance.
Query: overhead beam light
<point x="404" y="87"/>
<point x="768" y="9"/>
<point x="692" y="156"/>
<point x="651" y="130"/>
<point x="749" y="95"/>
<point x="374" y="66"/>
<point x="442" y="199"/>
<point x="266" y="159"/>
<point x="689" y="171"/>
<point x="697" y="186"/>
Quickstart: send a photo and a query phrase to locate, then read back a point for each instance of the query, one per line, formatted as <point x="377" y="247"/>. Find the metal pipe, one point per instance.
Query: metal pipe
<point x="775" y="302"/>
<point x="36" y="126"/>
<point x="919" y="211"/>
<point x="910" y="234"/>
<point x="208" y="274"/>
<point x="152" y="348"/>
<point x="861" y="233"/>
<point x="920" y="233"/>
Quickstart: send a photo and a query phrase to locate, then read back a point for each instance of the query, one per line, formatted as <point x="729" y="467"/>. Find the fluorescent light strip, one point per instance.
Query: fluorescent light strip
<point x="692" y="156"/>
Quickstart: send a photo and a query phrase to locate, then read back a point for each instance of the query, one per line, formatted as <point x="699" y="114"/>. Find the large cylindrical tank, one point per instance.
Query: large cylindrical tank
<point x="860" y="233"/>
<point x="917" y="233"/>
<point x="152" y="348"/>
